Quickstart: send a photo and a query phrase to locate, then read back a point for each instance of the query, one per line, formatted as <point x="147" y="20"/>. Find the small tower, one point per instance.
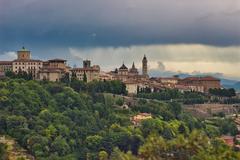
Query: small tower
<point x="86" y="64"/>
<point x="144" y="66"/>
<point x="23" y="54"/>
<point x="133" y="71"/>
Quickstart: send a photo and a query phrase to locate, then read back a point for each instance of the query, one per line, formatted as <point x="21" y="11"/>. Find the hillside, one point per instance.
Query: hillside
<point x="58" y="121"/>
<point x="13" y="150"/>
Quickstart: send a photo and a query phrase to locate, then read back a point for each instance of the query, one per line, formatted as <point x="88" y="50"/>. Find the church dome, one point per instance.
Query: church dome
<point x="123" y="67"/>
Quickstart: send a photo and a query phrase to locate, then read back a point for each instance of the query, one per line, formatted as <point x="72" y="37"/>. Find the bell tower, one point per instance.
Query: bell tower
<point x="23" y="54"/>
<point x="144" y="66"/>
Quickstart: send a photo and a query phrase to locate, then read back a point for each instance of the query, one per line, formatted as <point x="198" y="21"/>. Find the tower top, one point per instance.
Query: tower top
<point x="123" y="67"/>
<point x="23" y="54"/>
<point x="23" y="49"/>
<point x="144" y="57"/>
<point x="133" y="65"/>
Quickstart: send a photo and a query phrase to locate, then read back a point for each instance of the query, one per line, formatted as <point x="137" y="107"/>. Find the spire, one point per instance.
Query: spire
<point x="144" y="57"/>
<point x="133" y="65"/>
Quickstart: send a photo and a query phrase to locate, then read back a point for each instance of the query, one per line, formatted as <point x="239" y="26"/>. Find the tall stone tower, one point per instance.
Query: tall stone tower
<point x="86" y="64"/>
<point x="23" y="54"/>
<point x="144" y="66"/>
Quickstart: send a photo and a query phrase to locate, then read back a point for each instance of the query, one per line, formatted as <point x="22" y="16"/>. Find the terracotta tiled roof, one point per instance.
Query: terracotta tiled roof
<point x="27" y="60"/>
<point x="51" y="70"/>
<point x="168" y="78"/>
<point x="85" y="69"/>
<point x="57" y="59"/>
<point x="208" y="78"/>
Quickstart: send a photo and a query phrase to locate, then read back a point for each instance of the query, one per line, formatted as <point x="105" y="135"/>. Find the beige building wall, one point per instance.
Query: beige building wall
<point x="54" y="76"/>
<point x="131" y="88"/>
<point x="90" y="74"/>
<point x="5" y="66"/>
<point x="29" y="66"/>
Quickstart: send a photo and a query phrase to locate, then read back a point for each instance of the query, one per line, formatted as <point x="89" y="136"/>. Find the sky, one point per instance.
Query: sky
<point x="177" y="36"/>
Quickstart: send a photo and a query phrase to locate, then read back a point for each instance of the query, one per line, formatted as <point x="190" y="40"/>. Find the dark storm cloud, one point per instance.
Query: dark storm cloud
<point x="118" y="23"/>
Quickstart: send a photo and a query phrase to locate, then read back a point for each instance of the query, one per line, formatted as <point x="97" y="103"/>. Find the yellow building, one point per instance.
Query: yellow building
<point x="53" y="70"/>
<point x="5" y="66"/>
<point x="91" y="72"/>
<point x="24" y="63"/>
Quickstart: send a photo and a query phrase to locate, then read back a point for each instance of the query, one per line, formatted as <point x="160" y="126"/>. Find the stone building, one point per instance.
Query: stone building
<point x="53" y="70"/>
<point x="133" y="71"/>
<point x="24" y="63"/>
<point x="124" y="74"/>
<point x="201" y="84"/>
<point x="5" y="66"/>
<point x="91" y="72"/>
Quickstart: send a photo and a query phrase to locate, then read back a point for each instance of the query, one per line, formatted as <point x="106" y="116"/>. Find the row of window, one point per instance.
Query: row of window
<point x="27" y="63"/>
<point x="27" y="67"/>
<point x="83" y="75"/>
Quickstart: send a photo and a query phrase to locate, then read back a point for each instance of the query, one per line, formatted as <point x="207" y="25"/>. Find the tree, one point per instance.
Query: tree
<point x="3" y="151"/>
<point x="65" y="79"/>
<point x="94" y="142"/>
<point x="84" y="77"/>
<point x="102" y="155"/>
<point x="60" y="146"/>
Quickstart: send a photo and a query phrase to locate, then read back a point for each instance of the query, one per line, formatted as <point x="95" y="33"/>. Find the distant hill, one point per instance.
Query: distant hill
<point x="227" y="83"/>
<point x="236" y="86"/>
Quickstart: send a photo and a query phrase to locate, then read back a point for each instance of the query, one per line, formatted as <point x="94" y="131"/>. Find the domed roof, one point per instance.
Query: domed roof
<point x="23" y="49"/>
<point x="123" y="67"/>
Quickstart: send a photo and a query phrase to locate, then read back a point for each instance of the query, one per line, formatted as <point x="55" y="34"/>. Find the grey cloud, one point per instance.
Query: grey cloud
<point x="118" y="23"/>
<point x="163" y="53"/>
<point x="8" y="56"/>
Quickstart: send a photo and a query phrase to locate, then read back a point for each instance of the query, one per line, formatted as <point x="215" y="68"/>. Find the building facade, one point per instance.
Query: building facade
<point x="53" y="70"/>
<point x="24" y="63"/>
<point x="5" y="66"/>
<point x="123" y="73"/>
<point x="201" y="84"/>
<point x="89" y="72"/>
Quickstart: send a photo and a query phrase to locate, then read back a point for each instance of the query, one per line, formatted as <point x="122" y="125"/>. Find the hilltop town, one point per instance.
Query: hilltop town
<point x="77" y="113"/>
<point x="56" y="69"/>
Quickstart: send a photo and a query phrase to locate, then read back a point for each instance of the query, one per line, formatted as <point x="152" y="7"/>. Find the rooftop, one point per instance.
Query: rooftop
<point x="27" y="60"/>
<point x="207" y="78"/>
<point x="5" y="62"/>
<point x="57" y="60"/>
<point x="123" y="67"/>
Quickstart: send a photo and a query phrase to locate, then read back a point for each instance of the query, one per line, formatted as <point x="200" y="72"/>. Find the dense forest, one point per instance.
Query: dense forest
<point x="73" y="120"/>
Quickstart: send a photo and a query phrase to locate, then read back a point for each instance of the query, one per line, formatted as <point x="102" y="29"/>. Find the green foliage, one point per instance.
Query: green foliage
<point x="222" y="92"/>
<point x="19" y="75"/>
<point x="3" y="152"/>
<point x="84" y="77"/>
<point x="55" y="121"/>
<point x="174" y="95"/>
